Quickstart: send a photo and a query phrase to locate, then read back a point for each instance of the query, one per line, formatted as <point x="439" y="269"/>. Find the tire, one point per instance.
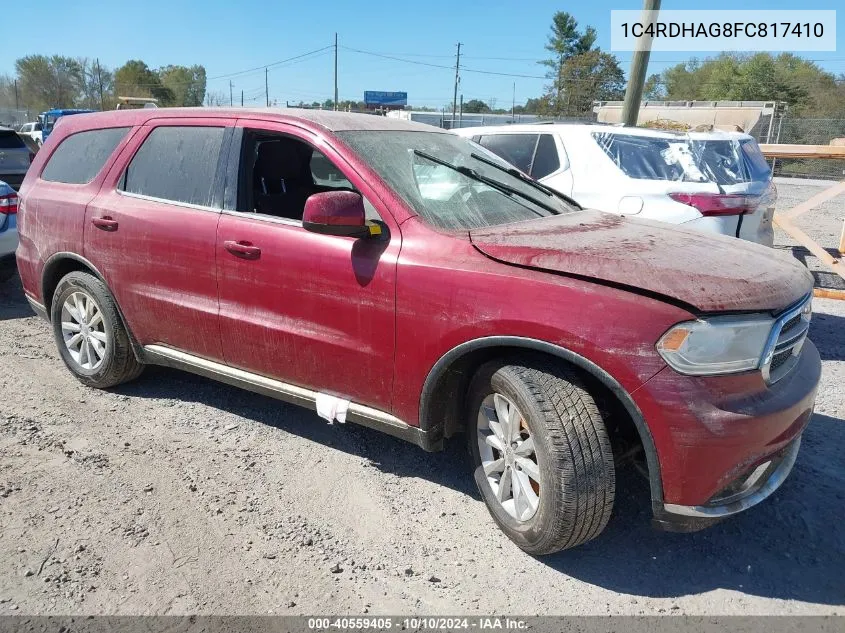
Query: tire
<point x="572" y="454"/>
<point x="108" y="359"/>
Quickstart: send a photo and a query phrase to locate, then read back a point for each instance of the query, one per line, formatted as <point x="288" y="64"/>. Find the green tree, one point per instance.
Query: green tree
<point x="96" y="85"/>
<point x="136" y="79"/>
<point x="186" y="83"/>
<point x="809" y="90"/>
<point x="564" y="42"/>
<point x="476" y="106"/>
<point x="45" y="82"/>
<point x="586" y="77"/>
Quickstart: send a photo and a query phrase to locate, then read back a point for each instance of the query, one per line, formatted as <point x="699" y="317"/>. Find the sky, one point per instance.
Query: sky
<point x="229" y="37"/>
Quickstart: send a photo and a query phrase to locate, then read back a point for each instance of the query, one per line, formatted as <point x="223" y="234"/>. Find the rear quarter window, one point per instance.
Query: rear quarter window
<point x="546" y="160"/>
<point x="81" y="156"/>
<point x="177" y="164"/>
<point x="517" y="149"/>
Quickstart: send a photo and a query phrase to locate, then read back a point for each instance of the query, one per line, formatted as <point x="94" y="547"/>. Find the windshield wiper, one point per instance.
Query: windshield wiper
<point x="512" y="171"/>
<point x="490" y="182"/>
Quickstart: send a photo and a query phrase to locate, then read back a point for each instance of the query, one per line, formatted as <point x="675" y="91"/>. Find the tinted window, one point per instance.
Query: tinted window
<point x="81" y="156"/>
<point x="757" y="165"/>
<point x="517" y="149"/>
<point x="9" y="139"/>
<point x="176" y="163"/>
<point x="545" y="159"/>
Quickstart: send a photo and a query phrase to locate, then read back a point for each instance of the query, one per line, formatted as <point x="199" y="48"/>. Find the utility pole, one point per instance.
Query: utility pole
<point x="242" y="98"/>
<point x="231" y="101"/>
<point x="266" y="91"/>
<point x="16" y="94"/>
<point x="461" y="116"/>
<point x="513" y="104"/>
<point x="457" y="79"/>
<point x="335" y="71"/>
<point x="639" y="66"/>
<point x="100" y="82"/>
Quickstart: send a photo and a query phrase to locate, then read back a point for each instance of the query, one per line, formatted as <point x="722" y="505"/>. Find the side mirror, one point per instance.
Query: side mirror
<point x="337" y="213"/>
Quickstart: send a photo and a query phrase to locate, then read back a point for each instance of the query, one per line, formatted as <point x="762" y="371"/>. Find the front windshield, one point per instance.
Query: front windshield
<point x="443" y="197"/>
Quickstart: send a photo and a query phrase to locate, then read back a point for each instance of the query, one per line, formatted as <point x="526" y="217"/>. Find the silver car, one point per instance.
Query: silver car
<point x="15" y="157"/>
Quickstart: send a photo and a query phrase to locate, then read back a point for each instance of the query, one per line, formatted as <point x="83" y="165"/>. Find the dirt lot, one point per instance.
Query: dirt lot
<point x="175" y="494"/>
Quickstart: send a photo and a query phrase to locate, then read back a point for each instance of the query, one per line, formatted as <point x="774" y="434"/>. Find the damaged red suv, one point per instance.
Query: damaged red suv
<point x="397" y="276"/>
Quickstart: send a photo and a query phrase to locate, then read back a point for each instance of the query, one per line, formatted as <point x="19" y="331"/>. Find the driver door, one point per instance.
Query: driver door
<point x="315" y="311"/>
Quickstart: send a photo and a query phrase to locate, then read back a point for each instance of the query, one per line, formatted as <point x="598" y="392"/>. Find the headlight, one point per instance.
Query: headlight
<point x="721" y="345"/>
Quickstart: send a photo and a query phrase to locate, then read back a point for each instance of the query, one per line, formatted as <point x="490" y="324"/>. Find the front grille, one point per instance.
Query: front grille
<point x="779" y="359"/>
<point x="796" y="320"/>
<point x="786" y="341"/>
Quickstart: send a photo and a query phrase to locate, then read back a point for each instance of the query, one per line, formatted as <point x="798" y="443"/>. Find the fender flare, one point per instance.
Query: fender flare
<point x="57" y="258"/>
<point x="445" y="361"/>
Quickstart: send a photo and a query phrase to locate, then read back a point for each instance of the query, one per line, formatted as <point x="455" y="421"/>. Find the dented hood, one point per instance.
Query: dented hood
<point x="711" y="273"/>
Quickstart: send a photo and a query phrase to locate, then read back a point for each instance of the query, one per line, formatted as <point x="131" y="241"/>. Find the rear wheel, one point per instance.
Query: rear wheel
<point x="89" y="333"/>
<point x="544" y="464"/>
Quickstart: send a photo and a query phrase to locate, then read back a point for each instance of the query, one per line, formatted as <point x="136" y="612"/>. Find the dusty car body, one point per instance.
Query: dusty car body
<point x="388" y="274"/>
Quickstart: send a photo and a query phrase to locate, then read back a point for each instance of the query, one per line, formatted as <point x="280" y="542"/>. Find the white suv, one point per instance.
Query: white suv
<point x="717" y="182"/>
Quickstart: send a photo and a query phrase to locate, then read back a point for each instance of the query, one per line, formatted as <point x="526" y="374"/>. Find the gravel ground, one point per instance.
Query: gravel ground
<point x="823" y="225"/>
<point x="175" y="494"/>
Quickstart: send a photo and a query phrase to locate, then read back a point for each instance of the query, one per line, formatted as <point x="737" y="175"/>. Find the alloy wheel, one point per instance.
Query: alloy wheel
<point x="83" y="330"/>
<point x="508" y="457"/>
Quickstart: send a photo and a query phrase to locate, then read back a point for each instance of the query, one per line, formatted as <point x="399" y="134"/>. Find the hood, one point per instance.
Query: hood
<point x="711" y="273"/>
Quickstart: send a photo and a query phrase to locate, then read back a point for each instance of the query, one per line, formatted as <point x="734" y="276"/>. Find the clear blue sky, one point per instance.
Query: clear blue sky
<point x="228" y="37"/>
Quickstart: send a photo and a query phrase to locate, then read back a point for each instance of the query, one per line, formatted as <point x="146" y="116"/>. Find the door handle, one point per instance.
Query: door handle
<point x="105" y="223"/>
<point x="244" y="250"/>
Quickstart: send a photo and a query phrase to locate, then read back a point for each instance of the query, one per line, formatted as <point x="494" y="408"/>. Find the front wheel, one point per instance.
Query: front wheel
<point x="89" y="332"/>
<point x="544" y="464"/>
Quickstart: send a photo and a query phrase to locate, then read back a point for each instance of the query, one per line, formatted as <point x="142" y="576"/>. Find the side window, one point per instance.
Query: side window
<point x="37" y="127"/>
<point x="326" y="175"/>
<point x="81" y="156"/>
<point x="517" y="149"/>
<point x="176" y="163"/>
<point x="545" y="158"/>
<point x="278" y="173"/>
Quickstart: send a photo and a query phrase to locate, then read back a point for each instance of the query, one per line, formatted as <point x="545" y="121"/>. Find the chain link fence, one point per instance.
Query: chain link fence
<point x="799" y="131"/>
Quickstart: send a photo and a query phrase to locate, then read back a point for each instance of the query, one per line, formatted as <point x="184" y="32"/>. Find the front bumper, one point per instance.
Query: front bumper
<point x="749" y="490"/>
<point x="725" y="443"/>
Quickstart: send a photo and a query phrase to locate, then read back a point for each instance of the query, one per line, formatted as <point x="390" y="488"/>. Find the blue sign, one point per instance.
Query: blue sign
<point x="375" y="97"/>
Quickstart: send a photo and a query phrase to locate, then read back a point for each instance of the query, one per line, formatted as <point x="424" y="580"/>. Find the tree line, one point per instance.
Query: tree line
<point x="807" y="89"/>
<point x="578" y="73"/>
<point x="42" y="82"/>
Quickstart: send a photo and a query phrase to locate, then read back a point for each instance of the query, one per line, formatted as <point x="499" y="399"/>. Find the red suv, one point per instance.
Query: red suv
<point x="401" y="277"/>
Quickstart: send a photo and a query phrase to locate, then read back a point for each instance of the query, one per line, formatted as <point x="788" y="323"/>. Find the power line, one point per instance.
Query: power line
<point x="398" y="59"/>
<point x="263" y="66"/>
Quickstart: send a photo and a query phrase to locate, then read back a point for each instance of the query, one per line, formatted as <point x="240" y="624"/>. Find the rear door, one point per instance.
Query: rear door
<point x="151" y="232"/>
<point x="316" y="311"/>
